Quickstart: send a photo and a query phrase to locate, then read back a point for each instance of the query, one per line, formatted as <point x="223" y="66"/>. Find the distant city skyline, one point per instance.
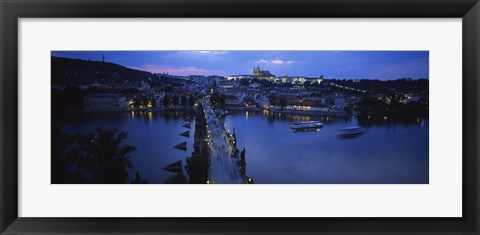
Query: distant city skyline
<point x="382" y="65"/>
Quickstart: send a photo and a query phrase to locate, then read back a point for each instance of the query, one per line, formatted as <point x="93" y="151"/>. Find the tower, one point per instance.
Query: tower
<point x="256" y="71"/>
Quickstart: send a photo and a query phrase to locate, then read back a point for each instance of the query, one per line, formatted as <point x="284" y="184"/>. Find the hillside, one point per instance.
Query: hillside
<point x="75" y="72"/>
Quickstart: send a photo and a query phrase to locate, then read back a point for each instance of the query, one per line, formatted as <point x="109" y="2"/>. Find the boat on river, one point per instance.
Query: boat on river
<point x="352" y="131"/>
<point x="306" y="125"/>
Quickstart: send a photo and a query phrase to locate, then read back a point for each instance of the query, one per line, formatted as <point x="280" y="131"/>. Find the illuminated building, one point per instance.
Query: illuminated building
<point x="239" y="77"/>
<point x="232" y="100"/>
<point x="104" y="102"/>
<point x="261" y="73"/>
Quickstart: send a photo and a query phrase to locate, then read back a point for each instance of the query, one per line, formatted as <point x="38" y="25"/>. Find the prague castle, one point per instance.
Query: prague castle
<point x="257" y="72"/>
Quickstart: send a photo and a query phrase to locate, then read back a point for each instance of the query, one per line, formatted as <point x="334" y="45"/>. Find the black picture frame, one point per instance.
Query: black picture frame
<point x="12" y="10"/>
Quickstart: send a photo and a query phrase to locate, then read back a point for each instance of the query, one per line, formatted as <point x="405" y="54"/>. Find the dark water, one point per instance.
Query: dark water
<point x="153" y="133"/>
<point x="389" y="152"/>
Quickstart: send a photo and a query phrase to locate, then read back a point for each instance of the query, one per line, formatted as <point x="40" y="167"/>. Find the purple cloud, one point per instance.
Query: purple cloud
<point x="184" y="70"/>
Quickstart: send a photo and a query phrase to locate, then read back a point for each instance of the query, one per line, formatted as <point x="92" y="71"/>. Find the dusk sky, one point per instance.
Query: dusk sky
<point x="383" y="65"/>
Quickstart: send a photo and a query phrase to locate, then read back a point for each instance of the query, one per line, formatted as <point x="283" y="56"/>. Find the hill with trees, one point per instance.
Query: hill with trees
<point x="67" y="71"/>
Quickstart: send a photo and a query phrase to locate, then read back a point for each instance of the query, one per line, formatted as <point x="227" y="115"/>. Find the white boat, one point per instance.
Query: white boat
<point x="352" y="131"/>
<point x="306" y="125"/>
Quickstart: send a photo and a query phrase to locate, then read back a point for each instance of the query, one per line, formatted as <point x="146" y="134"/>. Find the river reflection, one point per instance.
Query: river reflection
<point x="390" y="151"/>
<point x="153" y="133"/>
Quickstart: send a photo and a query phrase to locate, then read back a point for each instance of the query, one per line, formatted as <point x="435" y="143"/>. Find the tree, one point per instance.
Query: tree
<point x="168" y="88"/>
<point x="176" y="179"/>
<point x="222" y="100"/>
<point x="96" y="157"/>
<point x="372" y="105"/>
<point x="215" y="99"/>
<point x="175" y="100"/>
<point x="348" y="109"/>
<point x="166" y="101"/>
<point x="191" y="100"/>
<point x="106" y="159"/>
<point x="136" y="103"/>
<point x="71" y="97"/>
<point x="62" y="159"/>
<point x="154" y="102"/>
<point x="184" y="100"/>
<point x="272" y="99"/>
<point x="138" y="179"/>
<point x="283" y="101"/>
<point x="245" y="82"/>
<point x="144" y="102"/>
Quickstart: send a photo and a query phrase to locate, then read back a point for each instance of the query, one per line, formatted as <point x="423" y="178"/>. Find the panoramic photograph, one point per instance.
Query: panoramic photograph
<point x="239" y="117"/>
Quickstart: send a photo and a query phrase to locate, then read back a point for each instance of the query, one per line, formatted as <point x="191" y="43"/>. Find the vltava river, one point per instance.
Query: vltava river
<point x="153" y="134"/>
<point x="388" y="152"/>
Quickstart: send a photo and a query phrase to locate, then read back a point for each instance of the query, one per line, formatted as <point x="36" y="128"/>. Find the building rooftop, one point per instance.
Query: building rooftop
<point x="104" y="95"/>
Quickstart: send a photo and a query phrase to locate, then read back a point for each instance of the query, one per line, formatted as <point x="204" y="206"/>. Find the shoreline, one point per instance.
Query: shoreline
<point x="243" y="109"/>
<point x="130" y="110"/>
<point x="312" y="113"/>
<point x="286" y="111"/>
